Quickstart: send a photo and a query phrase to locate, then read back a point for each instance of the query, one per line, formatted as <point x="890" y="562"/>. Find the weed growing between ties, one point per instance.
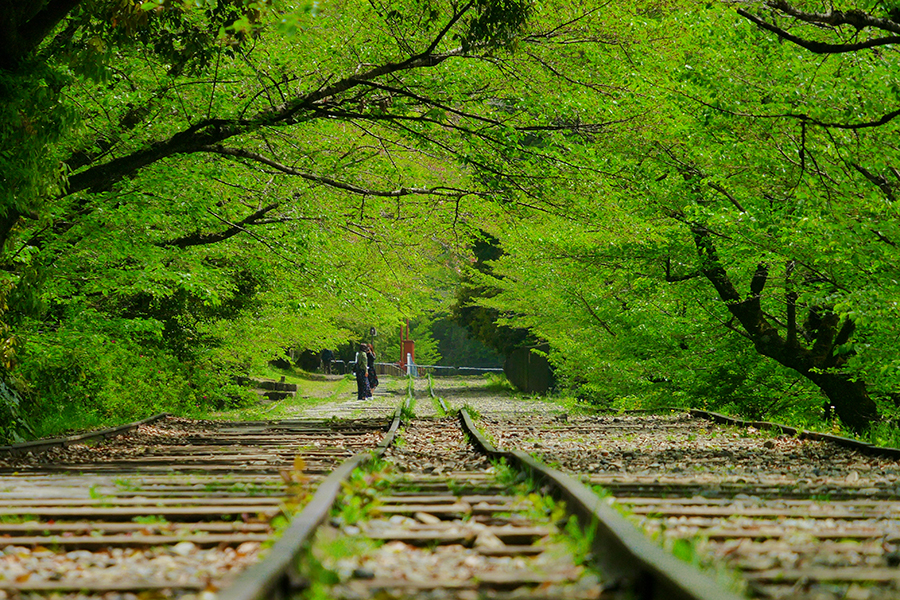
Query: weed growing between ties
<point x="339" y="540"/>
<point x="359" y="496"/>
<point x="695" y="552"/>
<point x="150" y="520"/>
<point x="473" y="412"/>
<point x="17" y="519"/>
<point x="408" y="411"/>
<point x="536" y="504"/>
<point x="438" y="407"/>
<point x="126" y="485"/>
<point x="333" y="547"/>
<point x="342" y="552"/>
<point x="299" y="490"/>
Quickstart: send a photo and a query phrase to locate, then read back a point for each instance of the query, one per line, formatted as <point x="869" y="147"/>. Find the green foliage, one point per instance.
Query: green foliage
<point x="478" y="318"/>
<point x="458" y="348"/>
<point x="94" y="370"/>
<point x="497" y="382"/>
<point x="495" y="22"/>
<point x="607" y="267"/>
<point x="33" y="117"/>
<point x="14" y="425"/>
<point x="191" y="188"/>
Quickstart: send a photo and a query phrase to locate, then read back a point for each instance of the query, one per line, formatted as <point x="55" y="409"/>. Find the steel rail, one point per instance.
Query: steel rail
<point x="98" y="518"/>
<point x="802" y="434"/>
<point x="276" y="575"/>
<point x="620" y="549"/>
<point x="40" y="445"/>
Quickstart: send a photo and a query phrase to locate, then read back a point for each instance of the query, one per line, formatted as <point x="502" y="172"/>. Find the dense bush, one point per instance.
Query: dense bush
<point x="93" y="370"/>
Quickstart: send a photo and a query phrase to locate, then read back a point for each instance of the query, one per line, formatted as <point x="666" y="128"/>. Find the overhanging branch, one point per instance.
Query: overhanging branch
<point x="818" y="47"/>
<point x="348" y="187"/>
<point x="857" y="18"/>
<point x="203" y="239"/>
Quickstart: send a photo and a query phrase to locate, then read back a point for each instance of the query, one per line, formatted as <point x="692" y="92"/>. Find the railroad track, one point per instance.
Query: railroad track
<point x="797" y="518"/>
<point x="168" y="507"/>
<point x="178" y="511"/>
<point x="447" y="527"/>
<point x="441" y="523"/>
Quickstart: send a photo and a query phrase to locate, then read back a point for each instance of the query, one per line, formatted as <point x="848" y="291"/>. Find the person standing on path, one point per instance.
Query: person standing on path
<point x="362" y="373"/>
<point x="372" y="375"/>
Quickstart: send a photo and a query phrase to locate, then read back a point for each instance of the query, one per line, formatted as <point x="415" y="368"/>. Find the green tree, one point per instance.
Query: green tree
<point x="752" y="168"/>
<point x="223" y="180"/>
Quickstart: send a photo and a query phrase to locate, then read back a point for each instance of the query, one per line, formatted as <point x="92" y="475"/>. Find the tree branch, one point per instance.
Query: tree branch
<point x="725" y="193"/>
<point x="677" y="278"/>
<point x="818" y="47"/>
<point x="349" y="187"/>
<point x="596" y="317"/>
<point x="21" y="32"/>
<point x="836" y="18"/>
<point x="212" y="131"/>
<point x="791" y="304"/>
<point x="202" y="239"/>
<point x="879" y="181"/>
<point x="256" y="237"/>
<point x="760" y="277"/>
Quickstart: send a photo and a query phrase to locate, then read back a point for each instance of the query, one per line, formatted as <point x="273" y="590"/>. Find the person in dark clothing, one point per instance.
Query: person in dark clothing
<point x="327" y="357"/>
<point x="362" y="373"/>
<point x="372" y="375"/>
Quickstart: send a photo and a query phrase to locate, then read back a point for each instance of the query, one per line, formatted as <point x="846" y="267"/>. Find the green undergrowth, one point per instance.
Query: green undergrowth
<point x="497" y="382"/>
<point x="435" y="399"/>
<point x="312" y="390"/>
<point x="473" y="412"/>
<point x="408" y="410"/>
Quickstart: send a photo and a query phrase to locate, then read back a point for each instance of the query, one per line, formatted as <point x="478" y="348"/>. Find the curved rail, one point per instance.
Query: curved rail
<point x="275" y="575"/>
<point x="801" y="434"/>
<point x="619" y="548"/>
<point x="811" y="517"/>
<point x="40" y="445"/>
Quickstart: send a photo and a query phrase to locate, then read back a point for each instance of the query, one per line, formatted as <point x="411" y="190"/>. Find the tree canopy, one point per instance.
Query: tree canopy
<point x="695" y="204"/>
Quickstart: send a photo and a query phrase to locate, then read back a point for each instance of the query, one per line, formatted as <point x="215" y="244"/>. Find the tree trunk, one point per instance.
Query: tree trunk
<point x="820" y="363"/>
<point x="850" y="399"/>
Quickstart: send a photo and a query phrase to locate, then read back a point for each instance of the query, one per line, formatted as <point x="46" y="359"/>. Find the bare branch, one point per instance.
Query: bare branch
<point x="879" y="181"/>
<point x="725" y="193"/>
<point x="836" y="18"/>
<point x="257" y="238"/>
<point x="594" y="315"/>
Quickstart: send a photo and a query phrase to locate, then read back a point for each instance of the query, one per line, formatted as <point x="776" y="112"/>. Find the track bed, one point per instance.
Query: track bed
<point x="797" y="518"/>
<point x="174" y="507"/>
